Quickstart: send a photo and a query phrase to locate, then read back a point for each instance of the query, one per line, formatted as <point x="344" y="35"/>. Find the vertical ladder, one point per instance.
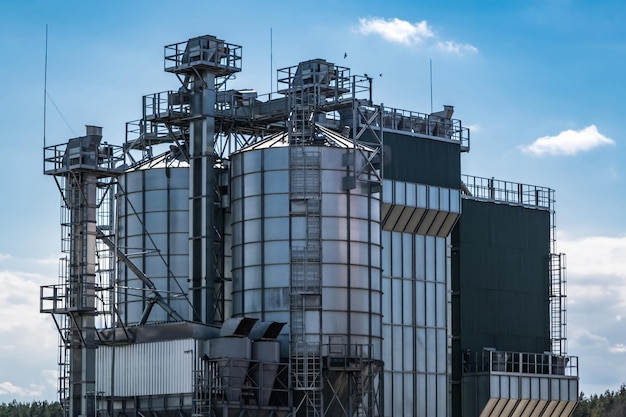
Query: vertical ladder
<point x="63" y="323"/>
<point x="303" y="101"/>
<point x="105" y="256"/>
<point x="202" y="392"/>
<point x="558" y="309"/>
<point x="305" y="291"/>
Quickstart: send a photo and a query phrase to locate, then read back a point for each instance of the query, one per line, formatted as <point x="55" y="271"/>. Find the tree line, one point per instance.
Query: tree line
<point x="609" y="404"/>
<point x="34" y="409"/>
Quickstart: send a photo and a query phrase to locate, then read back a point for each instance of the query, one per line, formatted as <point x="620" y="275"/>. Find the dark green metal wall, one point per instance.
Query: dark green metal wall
<point x="421" y="160"/>
<point x="501" y="278"/>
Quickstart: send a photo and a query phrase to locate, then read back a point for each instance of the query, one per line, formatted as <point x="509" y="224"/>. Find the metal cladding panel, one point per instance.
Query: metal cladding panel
<point x="415" y="323"/>
<point x="268" y="223"/>
<point x="421" y="160"/>
<point x="418" y="208"/>
<point x="229" y="347"/>
<point x="501" y="271"/>
<point x="153" y="230"/>
<point x="508" y="394"/>
<point x="140" y="369"/>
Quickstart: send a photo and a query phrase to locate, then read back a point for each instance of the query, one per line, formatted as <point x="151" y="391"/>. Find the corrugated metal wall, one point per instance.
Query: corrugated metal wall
<point x="420" y="160"/>
<point x="153" y="227"/>
<point x="503" y="265"/>
<point x="155" y="368"/>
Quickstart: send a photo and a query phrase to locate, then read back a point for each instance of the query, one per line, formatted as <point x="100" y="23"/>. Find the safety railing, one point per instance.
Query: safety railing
<point x="326" y="76"/>
<point x="60" y="299"/>
<point x="166" y="105"/>
<point x="489" y="361"/>
<point x="507" y="192"/>
<point x="59" y="159"/>
<point x="425" y="124"/>
<point x="204" y="51"/>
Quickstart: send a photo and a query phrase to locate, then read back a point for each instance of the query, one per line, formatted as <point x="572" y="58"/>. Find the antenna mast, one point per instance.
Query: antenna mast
<point x="271" y="63"/>
<point x="45" y="89"/>
<point x="431" y="85"/>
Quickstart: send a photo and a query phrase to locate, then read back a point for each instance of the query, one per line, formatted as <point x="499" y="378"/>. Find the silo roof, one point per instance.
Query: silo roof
<point x="322" y="136"/>
<point x="175" y="158"/>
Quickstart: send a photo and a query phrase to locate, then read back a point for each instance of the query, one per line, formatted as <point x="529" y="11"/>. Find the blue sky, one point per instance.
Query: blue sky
<point x="539" y="82"/>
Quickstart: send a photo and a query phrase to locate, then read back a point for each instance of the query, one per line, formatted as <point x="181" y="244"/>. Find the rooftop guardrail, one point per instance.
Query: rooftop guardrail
<point x="490" y="189"/>
<point x="488" y="361"/>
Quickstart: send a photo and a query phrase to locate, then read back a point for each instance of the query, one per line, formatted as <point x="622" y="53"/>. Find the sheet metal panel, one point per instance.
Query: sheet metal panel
<point x="418" y="208"/>
<point x="153" y="230"/>
<point x="421" y="160"/>
<point x="268" y="223"/>
<point x="503" y="261"/>
<point x="517" y="395"/>
<point x="155" y="368"/>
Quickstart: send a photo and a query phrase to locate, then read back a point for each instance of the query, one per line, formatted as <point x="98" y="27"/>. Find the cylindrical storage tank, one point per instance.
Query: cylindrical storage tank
<point x="153" y="231"/>
<point x="299" y="228"/>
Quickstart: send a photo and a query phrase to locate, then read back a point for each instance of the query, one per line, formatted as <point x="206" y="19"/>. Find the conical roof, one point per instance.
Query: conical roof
<point x="322" y="136"/>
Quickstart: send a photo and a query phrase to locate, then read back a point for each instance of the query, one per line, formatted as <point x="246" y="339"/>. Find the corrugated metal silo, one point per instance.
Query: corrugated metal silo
<point x="272" y="223"/>
<point x="153" y="230"/>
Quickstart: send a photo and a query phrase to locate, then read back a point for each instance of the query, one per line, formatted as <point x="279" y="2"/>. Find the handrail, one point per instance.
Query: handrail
<point x="488" y="361"/>
<point x="490" y="189"/>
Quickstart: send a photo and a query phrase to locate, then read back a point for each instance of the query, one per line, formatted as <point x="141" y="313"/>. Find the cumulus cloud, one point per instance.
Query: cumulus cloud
<point x="456" y="48"/>
<point x="618" y="348"/>
<point x="396" y="30"/>
<point x="595" y="255"/>
<point x="5" y="257"/>
<point x="596" y="300"/>
<point x="8" y="388"/>
<point x="568" y="142"/>
<point x="407" y="33"/>
<point x="29" y="339"/>
<point x="20" y="301"/>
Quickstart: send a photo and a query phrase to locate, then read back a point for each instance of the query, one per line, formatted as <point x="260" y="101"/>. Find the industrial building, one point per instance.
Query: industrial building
<point x="302" y="253"/>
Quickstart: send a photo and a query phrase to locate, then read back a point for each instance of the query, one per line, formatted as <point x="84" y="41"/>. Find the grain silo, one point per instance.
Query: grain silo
<point x="300" y="253"/>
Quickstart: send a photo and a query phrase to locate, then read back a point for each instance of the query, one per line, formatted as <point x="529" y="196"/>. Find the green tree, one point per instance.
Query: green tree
<point x="34" y="409"/>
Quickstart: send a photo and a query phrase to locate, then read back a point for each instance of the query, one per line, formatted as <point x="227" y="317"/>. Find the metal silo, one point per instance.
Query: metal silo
<point x="153" y="231"/>
<point x="306" y="251"/>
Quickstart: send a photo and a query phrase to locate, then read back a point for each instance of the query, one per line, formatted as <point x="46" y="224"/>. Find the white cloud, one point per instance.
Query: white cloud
<point x="29" y="339"/>
<point x="407" y="33"/>
<point x="396" y="30"/>
<point x="8" y="388"/>
<point x="20" y="301"/>
<point x="568" y="142"/>
<point x="618" y="348"/>
<point x="456" y="48"/>
<point x="5" y="257"/>
<point x="595" y="255"/>
<point x="596" y="300"/>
